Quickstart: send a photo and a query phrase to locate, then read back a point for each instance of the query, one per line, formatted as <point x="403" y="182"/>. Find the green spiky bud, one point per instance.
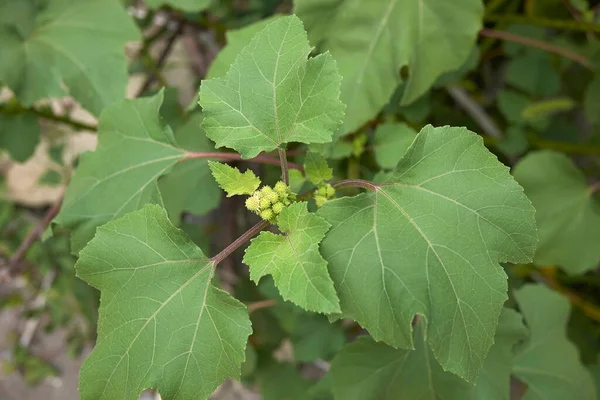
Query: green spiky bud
<point x="320" y="200"/>
<point x="330" y="191"/>
<point x="282" y="189"/>
<point x="267" y="214"/>
<point x="322" y="191"/>
<point x="264" y="203"/>
<point x="277" y="207"/>
<point x="272" y="197"/>
<point x="265" y="190"/>
<point x="252" y="203"/>
<point x="286" y="202"/>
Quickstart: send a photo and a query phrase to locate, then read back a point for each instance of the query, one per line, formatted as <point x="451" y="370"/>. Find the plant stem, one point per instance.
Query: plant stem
<point x="33" y="236"/>
<point x="356" y="183"/>
<point x="594" y="187"/>
<point x="258" y="305"/>
<point x="261" y="159"/>
<point x="249" y="234"/>
<point x="49" y="116"/>
<point x="284" y="166"/>
<point x="539" y="44"/>
<point x="545" y="22"/>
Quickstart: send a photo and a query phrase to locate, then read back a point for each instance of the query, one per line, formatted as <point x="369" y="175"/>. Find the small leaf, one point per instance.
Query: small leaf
<point x="162" y="323"/>
<point x="414" y="374"/>
<point x="391" y="141"/>
<point x="427" y="240"/>
<point x="46" y="46"/>
<point x="316" y="168"/>
<point x="293" y="259"/>
<point x="20" y="135"/>
<point x="232" y="180"/>
<point x="567" y="213"/>
<point x="547" y="362"/>
<point x="273" y="94"/>
<point x="133" y="151"/>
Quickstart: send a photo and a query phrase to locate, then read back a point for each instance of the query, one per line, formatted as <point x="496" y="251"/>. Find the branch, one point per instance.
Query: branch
<point x="18" y="109"/>
<point x="261" y="159"/>
<point x="545" y="22"/>
<point x="249" y="234"/>
<point x="33" y="236"/>
<point x="284" y="166"/>
<point x="539" y="44"/>
<point x="259" y="305"/>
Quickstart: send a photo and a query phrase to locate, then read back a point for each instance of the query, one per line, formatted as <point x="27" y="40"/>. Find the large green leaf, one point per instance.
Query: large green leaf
<point x="373" y="40"/>
<point x="273" y="94"/>
<point x="162" y="323"/>
<point x="189" y="186"/>
<point x="47" y="45"/>
<point x="133" y="151"/>
<point x="390" y="143"/>
<point x="294" y="261"/>
<point x="19" y="135"/>
<point x="547" y="362"/>
<point x="427" y="240"/>
<point x="568" y="214"/>
<point x="185" y="5"/>
<point x="366" y="370"/>
<point x="237" y="39"/>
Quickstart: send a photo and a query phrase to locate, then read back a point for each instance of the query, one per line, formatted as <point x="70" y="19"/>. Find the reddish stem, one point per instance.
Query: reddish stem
<point x="284" y="166"/>
<point x="249" y="234"/>
<point x="261" y="159"/>
<point x="356" y="183"/>
<point x="537" y="43"/>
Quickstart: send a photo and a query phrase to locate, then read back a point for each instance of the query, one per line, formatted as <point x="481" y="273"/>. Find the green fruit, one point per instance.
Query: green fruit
<point x="267" y="214"/>
<point x="320" y="200"/>
<point x="281" y="188"/>
<point x="253" y="204"/>
<point x="272" y="197"/>
<point x="277" y="207"/>
<point x="264" y="203"/>
<point x="330" y="192"/>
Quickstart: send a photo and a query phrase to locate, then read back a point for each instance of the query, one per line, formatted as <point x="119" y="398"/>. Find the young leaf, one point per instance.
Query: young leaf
<point x="20" y="135"/>
<point x="392" y="139"/>
<point x="413" y="374"/>
<point x="427" y="240"/>
<point x="568" y="215"/>
<point x="190" y="186"/>
<point x="547" y="362"/>
<point x="273" y="94"/>
<point x="162" y="323"/>
<point x="372" y="43"/>
<point x="133" y="151"/>
<point x="46" y="46"/>
<point x="237" y="39"/>
<point x="299" y="271"/>
<point x="316" y="168"/>
<point x="232" y="180"/>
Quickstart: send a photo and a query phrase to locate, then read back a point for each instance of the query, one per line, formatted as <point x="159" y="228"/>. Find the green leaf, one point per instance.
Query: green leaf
<point x="427" y="240"/>
<point x="547" y="362"/>
<point x="534" y="74"/>
<point x="133" y="151"/>
<point x="232" y="181"/>
<point x="316" y="168"/>
<point x="237" y="39"/>
<point x="280" y="381"/>
<point x="294" y="261"/>
<point x="591" y="102"/>
<point x="567" y="213"/>
<point x="20" y="135"/>
<point x="273" y="94"/>
<point x="185" y="5"/>
<point x="511" y="104"/>
<point x="373" y="43"/>
<point x="162" y="323"/>
<point x="190" y="186"/>
<point x="390" y="143"/>
<point x="414" y="374"/>
<point x="46" y="46"/>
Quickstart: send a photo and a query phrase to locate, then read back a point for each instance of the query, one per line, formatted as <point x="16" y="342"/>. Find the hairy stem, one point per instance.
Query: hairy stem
<point x="539" y="44"/>
<point x="356" y="183"/>
<point x="249" y="234"/>
<point x="262" y="159"/>
<point x="16" y="110"/>
<point x="284" y="166"/>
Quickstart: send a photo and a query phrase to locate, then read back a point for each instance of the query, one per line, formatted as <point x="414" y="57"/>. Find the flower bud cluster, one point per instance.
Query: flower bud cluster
<point x="268" y="202"/>
<point x="324" y="193"/>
